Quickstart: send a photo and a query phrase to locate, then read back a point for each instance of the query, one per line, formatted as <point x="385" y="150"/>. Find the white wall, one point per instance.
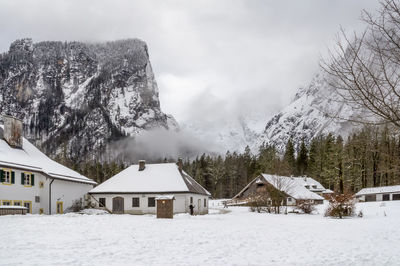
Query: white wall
<point x="181" y="203"/>
<point x="65" y="191"/>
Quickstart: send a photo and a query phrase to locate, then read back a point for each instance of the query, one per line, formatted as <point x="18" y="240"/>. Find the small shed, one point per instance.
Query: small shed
<point x="165" y="206"/>
<point x="9" y="210"/>
<point x="386" y="193"/>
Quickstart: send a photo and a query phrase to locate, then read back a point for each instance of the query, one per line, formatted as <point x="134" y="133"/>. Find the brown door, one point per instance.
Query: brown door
<point x="165" y="208"/>
<point x="118" y="205"/>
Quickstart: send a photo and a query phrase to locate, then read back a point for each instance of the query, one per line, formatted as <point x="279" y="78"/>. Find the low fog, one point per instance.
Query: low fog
<point x="157" y="145"/>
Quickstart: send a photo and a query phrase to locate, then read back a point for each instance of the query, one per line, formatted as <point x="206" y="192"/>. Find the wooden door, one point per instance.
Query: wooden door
<point x="198" y="205"/>
<point x="165" y="208"/>
<point x="118" y="205"/>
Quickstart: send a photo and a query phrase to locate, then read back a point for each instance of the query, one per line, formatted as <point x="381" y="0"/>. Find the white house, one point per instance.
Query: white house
<point x="295" y="188"/>
<point x="379" y="193"/>
<point x="29" y="178"/>
<point x="135" y="189"/>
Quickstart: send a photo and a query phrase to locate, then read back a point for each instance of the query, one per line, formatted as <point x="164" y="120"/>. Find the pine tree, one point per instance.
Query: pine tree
<point x="302" y="160"/>
<point x="289" y="157"/>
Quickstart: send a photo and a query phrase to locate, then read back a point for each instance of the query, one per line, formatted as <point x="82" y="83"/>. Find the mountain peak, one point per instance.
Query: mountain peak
<point x="76" y="97"/>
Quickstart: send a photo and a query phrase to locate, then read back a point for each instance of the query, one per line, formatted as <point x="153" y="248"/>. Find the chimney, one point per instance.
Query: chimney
<point x="142" y="165"/>
<point x="13" y="131"/>
<point x="180" y="164"/>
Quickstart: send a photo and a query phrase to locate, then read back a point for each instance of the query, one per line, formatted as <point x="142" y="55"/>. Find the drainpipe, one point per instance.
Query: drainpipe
<point x="50" y="195"/>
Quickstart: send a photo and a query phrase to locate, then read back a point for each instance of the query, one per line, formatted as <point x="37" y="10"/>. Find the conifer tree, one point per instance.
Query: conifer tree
<point x="302" y="160"/>
<point x="289" y="157"/>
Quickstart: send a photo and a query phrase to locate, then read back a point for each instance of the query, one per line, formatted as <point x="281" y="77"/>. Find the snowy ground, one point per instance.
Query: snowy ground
<point x="237" y="237"/>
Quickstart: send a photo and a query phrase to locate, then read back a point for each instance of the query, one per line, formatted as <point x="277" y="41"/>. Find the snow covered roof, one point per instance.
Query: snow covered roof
<point x="32" y="159"/>
<point x="294" y="187"/>
<point x="155" y="178"/>
<point x="313" y="184"/>
<point x="165" y="197"/>
<point x="377" y="190"/>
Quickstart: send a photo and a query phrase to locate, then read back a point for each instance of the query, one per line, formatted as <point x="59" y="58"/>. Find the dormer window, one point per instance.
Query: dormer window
<point x="307" y="186"/>
<point x="314" y="186"/>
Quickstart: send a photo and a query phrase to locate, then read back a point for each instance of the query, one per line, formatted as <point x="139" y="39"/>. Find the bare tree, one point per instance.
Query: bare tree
<point x="280" y="188"/>
<point x="365" y="68"/>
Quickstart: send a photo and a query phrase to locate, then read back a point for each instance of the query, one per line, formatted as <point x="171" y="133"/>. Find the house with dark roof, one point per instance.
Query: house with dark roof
<point x="295" y="188"/>
<point x="135" y="190"/>
<point x="30" y="180"/>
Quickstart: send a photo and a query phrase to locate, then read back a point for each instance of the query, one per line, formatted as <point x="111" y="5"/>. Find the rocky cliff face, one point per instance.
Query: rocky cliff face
<point x="316" y="109"/>
<point x="75" y="97"/>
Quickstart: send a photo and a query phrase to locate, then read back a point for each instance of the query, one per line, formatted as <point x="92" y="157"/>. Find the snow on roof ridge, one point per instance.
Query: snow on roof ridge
<point x="374" y="190"/>
<point x="155" y="178"/>
<point x="294" y="189"/>
<point x="38" y="161"/>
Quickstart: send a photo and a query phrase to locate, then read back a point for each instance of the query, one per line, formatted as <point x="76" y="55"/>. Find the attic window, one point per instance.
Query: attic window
<point x="260" y="184"/>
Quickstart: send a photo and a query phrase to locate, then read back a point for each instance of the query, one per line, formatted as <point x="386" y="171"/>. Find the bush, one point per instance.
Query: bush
<point x="76" y="206"/>
<point x="260" y="203"/>
<point x="341" y="205"/>
<point x="306" y="206"/>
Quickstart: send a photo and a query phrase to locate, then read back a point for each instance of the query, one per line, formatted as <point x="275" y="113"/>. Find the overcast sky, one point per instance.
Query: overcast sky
<point x="211" y="58"/>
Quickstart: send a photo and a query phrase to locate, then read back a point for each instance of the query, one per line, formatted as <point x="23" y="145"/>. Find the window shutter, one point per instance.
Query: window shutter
<point x="1" y="176"/>
<point x="22" y="179"/>
<point x="12" y="177"/>
<point x="32" y="179"/>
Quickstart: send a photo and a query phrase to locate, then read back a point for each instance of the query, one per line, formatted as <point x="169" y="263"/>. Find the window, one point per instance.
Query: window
<point x="17" y="203"/>
<point x="314" y="186"/>
<point x="396" y="196"/>
<point x="386" y="197"/>
<point x="370" y="198"/>
<point x="102" y="202"/>
<point x="60" y="209"/>
<point x="37" y="199"/>
<point x="191" y="200"/>
<point x="205" y="202"/>
<point x="151" y="202"/>
<point x="27" y="179"/>
<point x="7" y="177"/>
<point x="135" y="202"/>
<point x="28" y="205"/>
<point x="307" y="186"/>
<point x="289" y="199"/>
<point x="6" y="202"/>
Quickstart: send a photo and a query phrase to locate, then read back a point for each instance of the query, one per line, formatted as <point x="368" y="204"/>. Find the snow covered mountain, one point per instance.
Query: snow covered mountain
<point x="234" y="134"/>
<point x="75" y="97"/>
<point x="315" y="109"/>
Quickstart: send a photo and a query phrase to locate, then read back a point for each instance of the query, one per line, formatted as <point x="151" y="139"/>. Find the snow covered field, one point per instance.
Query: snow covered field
<point x="235" y="238"/>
